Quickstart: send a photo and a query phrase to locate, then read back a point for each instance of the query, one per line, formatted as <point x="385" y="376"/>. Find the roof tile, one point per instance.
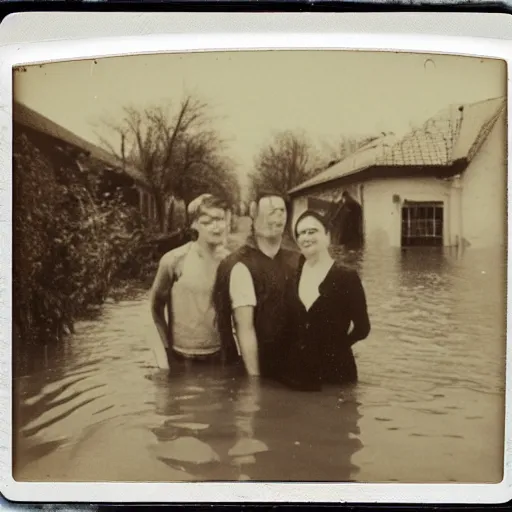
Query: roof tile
<point x="454" y="133"/>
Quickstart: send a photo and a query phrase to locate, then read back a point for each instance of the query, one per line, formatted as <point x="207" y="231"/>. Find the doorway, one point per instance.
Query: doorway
<point x="422" y="223"/>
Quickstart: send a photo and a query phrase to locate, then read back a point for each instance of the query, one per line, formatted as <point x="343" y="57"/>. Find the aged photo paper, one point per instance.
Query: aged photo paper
<point x="403" y="154"/>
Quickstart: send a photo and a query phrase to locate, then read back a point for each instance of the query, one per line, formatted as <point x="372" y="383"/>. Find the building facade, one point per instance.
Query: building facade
<point x="61" y="145"/>
<point x="444" y="184"/>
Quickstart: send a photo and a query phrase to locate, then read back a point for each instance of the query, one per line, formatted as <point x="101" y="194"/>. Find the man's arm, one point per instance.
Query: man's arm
<point x="243" y="301"/>
<point x="358" y="310"/>
<point x="159" y="296"/>
<point x="246" y="335"/>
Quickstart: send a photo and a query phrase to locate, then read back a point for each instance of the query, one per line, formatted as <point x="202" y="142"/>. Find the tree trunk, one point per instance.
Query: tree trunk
<point x="186" y="215"/>
<point x="160" y="211"/>
<point x="170" y="216"/>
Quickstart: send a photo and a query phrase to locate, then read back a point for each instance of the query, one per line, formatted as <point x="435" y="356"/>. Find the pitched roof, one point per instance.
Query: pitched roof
<point x="455" y="133"/>
<point x="29" y="118"/>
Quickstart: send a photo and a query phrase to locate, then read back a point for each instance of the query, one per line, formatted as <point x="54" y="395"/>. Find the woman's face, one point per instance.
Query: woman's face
<point x="312" y="237"/>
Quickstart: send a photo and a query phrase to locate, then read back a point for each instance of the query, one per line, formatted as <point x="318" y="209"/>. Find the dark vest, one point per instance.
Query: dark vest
<point x="272" y="278"/>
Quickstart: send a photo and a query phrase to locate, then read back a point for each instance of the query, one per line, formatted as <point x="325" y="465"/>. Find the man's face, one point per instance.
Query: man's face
<point x="211" y="225"/>
<point x="271" y="217"/>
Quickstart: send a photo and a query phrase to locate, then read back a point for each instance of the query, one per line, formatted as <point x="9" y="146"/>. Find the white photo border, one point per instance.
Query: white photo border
<point x="33" y="38"/>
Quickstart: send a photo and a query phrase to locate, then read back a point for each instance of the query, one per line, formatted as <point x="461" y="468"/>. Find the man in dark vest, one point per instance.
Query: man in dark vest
<point x="250" y="292"/>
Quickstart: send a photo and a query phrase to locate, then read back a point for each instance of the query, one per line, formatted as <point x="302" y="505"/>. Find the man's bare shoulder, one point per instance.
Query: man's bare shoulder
<point x="169" y="259"/>
<point x="230" y="257"/>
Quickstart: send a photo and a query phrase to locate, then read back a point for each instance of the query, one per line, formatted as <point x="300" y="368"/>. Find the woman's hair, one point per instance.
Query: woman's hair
<point x="316" y="215"/>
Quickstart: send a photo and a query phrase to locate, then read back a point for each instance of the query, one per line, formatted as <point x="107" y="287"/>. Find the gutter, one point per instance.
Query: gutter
<point x="406" y="171"/>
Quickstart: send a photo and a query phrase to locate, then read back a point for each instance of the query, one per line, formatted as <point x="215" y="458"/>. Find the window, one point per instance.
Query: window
<point x="422" y="223"/>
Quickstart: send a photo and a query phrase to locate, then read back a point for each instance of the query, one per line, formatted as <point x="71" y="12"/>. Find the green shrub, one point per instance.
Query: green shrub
<point x="70" y="244"/>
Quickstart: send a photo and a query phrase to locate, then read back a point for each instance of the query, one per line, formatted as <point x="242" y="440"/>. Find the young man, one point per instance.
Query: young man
<point x="250" y="292"/>
<point x="184" y="283"/>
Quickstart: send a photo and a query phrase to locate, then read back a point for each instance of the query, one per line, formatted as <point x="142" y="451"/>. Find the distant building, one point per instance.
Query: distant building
<point x="65" y="148"/>
<point x="442" y="184"/>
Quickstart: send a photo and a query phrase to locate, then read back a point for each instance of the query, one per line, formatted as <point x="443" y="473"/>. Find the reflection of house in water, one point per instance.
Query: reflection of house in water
<point x="66" y="150"/>
<point x="442" y="184"/>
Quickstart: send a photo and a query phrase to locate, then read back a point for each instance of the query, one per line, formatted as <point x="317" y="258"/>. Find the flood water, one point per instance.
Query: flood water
<point x="429" y="406"/>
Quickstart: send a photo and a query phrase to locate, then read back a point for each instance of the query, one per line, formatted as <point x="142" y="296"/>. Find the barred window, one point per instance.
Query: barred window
<point x="422" y="223"/>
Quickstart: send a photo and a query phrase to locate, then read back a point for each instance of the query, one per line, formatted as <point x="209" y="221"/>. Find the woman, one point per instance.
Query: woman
<point x="327" y="299"/>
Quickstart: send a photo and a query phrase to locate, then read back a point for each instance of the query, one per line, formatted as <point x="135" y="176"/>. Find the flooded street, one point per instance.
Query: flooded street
<point x="429" y="406"/>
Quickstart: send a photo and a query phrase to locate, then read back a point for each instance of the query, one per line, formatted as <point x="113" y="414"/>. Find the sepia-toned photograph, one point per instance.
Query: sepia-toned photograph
<point x="260" y="266"/>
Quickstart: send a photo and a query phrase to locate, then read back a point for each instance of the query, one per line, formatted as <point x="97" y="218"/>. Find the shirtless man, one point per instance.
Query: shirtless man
<point x="184" y="283"/>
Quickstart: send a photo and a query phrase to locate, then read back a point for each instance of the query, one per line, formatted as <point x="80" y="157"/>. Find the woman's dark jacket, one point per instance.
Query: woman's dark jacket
<point x="320" y="349"/>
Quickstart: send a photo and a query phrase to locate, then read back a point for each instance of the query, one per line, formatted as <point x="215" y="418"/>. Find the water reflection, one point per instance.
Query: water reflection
<point x="432" y="387"/>
<point x="311" y="440"/>
<point x="243" y="429"/>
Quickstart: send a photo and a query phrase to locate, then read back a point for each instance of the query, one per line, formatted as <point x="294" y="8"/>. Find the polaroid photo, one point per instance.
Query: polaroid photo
<point x="255" y="257"/>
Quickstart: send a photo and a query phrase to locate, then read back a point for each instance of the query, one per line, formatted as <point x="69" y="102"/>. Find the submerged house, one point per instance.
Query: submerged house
<point x="63" y="147"/>
<point x="442" y="184"/>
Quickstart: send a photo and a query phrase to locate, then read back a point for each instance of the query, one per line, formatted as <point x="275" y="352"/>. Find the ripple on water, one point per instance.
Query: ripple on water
<point x="434" y="359"/>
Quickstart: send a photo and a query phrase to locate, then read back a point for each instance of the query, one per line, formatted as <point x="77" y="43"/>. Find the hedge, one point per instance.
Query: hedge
<point x="70" y="243"/>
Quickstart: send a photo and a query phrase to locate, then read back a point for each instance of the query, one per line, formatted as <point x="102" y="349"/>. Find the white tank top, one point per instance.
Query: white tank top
<point x="194" y="332"/>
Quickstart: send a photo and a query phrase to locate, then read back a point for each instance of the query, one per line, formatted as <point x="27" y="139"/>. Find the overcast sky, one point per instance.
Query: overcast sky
<point x="327" y="94"/>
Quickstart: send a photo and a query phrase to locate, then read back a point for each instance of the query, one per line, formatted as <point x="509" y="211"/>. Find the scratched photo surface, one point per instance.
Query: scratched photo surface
<point x="333" y="309"/>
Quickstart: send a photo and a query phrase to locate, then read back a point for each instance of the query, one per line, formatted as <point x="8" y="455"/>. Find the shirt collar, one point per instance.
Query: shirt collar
<point x="251" y="242"/>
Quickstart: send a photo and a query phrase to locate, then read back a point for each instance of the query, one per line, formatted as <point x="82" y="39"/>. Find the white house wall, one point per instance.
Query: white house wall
<point x="381" y="214"/>
<point x="484" y="186"/>
<point x="382" y="210"/>
<point x="474" y="203"/>
<point x="299" y="205"/>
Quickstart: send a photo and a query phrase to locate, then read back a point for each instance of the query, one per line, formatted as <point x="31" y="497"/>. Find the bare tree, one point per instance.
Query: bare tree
<point x="286" y="162"/>
<point x="178" y="154"/>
